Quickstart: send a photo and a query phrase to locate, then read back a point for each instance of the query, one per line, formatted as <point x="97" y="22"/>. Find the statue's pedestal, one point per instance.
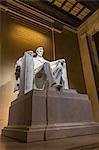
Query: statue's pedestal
<point x="41" y="115"/>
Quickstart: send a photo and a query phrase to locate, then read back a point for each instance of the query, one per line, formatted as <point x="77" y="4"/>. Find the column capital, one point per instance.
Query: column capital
<point x="90" y="26"/>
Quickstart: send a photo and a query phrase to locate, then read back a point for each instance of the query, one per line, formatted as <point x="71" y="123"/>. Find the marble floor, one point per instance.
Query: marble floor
<point x="89" y="142"/>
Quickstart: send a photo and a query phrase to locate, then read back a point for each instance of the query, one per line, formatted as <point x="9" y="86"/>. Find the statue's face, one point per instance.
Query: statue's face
<point x="40" y="51"/>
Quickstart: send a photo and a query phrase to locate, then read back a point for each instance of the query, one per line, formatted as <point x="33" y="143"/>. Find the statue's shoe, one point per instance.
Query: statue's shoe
<point x="56" y="85"/>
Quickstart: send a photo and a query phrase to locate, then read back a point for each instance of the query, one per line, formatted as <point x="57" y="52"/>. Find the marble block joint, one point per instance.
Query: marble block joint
<point x="40" y="115"/>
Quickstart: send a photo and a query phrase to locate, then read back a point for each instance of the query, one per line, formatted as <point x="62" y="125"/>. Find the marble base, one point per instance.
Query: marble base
<point x="25" y="134"/>
<point x="71" y="129"/>
<point x="44" y="115"/>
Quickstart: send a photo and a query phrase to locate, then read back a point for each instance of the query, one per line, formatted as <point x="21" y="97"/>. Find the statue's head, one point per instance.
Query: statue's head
<point x="40" y="51"/>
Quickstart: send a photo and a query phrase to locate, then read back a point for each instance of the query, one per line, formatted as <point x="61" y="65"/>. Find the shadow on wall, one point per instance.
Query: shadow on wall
<point x="17" y="38"/>
<point x="6" y="96"/>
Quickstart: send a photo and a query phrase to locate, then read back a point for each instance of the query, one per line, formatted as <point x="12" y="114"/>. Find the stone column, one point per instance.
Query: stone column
<point x="88" y="74"/>
<point x="94" y="60"/>
<point x="89" y="27"/>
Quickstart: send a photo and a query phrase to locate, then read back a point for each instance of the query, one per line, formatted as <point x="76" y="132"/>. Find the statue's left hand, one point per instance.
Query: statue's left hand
<point x="62" y="60"/>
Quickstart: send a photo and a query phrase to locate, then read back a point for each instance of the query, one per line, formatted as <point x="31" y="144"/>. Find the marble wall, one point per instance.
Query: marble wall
<point x="67" y="46"/>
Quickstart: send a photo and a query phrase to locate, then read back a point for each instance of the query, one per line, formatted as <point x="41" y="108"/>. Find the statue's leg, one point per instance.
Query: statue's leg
<point x="49" y="74"/>
<point x="64" y="77"/>
<point x="58" y="74"/>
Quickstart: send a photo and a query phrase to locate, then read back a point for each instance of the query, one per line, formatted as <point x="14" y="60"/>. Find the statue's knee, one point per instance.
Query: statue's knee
<point x="46" y="64"/>
<point x="60" y="68"/>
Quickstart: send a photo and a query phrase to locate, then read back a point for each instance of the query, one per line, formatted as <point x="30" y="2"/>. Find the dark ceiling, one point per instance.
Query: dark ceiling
<point x="72" y="12"/>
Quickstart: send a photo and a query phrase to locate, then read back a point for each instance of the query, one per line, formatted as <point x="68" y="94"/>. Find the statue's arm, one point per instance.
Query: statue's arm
<point x="57" y="62"/>
<point x="18" y="67"/>
<point x="17" y="72"/>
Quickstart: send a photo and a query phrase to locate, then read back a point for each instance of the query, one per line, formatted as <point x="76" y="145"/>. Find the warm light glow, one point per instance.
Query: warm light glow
<point x="80" y="6"/>
<point x="84" y="13"/>
<point x="76" y="9"/>
<point x="25" y="34"/>
<point x="58" y="3"/>
<point x="50" y="1"/>
<point x="80" y="16"/>
<point x="67" y="6"/>
<point x="72" y="1"/>
<point x="86" y="10"/>
<point x="74" y="12"/>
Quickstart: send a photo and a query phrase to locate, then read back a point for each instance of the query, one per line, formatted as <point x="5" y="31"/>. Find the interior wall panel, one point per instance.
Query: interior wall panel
<point x="17" y="37"/>
<point x="67" y="47"/>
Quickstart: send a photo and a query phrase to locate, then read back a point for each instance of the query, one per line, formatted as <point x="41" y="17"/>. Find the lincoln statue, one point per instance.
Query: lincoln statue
<point x="33" y="71"/>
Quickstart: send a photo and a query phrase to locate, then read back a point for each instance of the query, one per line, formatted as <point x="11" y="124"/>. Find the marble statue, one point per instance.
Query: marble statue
<point x="32" y="69"/>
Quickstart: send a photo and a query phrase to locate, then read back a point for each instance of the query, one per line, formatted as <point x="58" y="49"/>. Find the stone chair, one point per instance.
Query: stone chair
<point x="40" y="80"/>
<point x="28" y="80"/>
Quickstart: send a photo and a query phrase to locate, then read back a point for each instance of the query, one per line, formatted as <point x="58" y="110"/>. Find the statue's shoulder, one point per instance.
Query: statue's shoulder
<point x="20" y="59"/>
<point x="19" y="62"/>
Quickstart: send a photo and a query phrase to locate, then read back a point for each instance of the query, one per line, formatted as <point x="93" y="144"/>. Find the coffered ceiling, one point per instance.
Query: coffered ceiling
<point x="72" y="12"/>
